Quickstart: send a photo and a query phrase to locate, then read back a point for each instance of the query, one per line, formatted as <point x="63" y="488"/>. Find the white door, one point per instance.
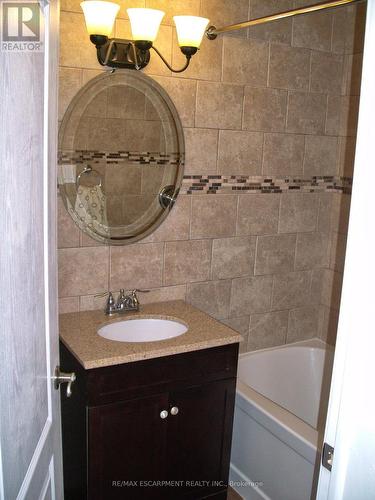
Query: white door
<point x="30" y="441"/>
<point x="350" y="425"/>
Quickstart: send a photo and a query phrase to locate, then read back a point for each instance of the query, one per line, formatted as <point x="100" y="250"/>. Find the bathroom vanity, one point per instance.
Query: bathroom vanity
<point x="148" y="420"/>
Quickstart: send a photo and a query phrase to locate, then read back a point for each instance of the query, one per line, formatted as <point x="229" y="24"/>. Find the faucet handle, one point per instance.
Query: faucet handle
<point x="110" y="306"/>
<point x="137" y="290"/>
<point x="121" y="298"/>
<point x="134" y="298"/>
<point x="103" y="294"/>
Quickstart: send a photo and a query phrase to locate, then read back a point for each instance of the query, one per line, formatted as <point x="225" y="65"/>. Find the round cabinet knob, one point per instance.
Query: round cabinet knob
<point x="174" y="410"/>
<point x="163" y="414"/>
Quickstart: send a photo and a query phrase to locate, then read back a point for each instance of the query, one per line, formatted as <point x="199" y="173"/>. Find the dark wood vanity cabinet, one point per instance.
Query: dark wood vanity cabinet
<point x="117" y="446"/>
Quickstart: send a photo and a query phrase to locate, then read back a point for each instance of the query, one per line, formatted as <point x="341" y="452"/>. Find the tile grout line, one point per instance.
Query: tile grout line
<point x="237" y="215"/>
<point x="263" y="151"/>
<point x="268" y="64"/>
<point x="163" y="264"/>
<point x="256" y="253"/>
<point x="310" y="70"/>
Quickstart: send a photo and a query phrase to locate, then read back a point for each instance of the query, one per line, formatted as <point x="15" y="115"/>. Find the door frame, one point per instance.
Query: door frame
<point x="352" y="401"/>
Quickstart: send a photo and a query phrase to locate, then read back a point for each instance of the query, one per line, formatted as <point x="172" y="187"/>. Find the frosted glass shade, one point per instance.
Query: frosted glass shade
<point x="190" y="30"/>
<point x="145" y="23"/>
<point x="99" y="16"/>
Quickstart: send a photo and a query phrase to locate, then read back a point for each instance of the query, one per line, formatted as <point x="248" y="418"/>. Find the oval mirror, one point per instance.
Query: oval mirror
<point x="121" y="156"/>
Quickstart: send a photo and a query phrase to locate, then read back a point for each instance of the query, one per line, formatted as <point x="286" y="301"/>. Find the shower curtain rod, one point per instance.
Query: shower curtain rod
<point x="212" y="31"/>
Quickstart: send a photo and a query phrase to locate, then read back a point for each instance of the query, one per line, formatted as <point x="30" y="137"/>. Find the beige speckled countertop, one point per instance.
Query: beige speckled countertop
<point x="78" y="331"/>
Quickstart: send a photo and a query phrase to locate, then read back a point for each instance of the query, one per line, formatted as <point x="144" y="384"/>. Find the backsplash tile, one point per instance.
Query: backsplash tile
<point x="68" y="234"/>
<point x="201" y="150"/>
<point x="306" y="113"/>
<point x="183" y="93"/>
<point x="275" y="254"/>
<point x="129" y="262"/>
<point x="283" y="155"/>
<point x="321" y="156"/>
<point x="313" y="31"/>
<point x="298" y="212"/>
<point x="212" y="296"/>
<point x="312" y="250"/>
<point x="303" y="323"/>
<point x="264" y="109"/>
<point x="245" y="61"/>
<point x="266" y="328"/>
<point x="233" y="257"/>
<point x="213" y="216"/>
<point x="219" y="105"/>
<point x="291" y="290"/>
<point x="258" y="214"/>
<point x="83" y="271"/>
<point x="277" y="31"/>
<point x="68" y="304"/>
<point x="177" y="225"/>
<point x="289" y="67"/>
<point x="250" y="295"/>
<point x="187" y="261"/>
<point x="326" y="72"/>
<point x="240" y="152"/>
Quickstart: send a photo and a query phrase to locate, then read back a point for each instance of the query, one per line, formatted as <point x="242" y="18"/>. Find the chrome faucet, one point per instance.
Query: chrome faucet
<point x="125" y="303"/>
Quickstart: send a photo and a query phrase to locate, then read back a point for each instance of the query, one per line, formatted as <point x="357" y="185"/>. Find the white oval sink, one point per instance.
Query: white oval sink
<point x="142" y="330"/>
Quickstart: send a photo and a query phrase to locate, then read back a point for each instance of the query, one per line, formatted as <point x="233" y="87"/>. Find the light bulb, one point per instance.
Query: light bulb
<point x="190" y="30"/>
<point x="145" y="23"/>
<point x="99" y="16"/>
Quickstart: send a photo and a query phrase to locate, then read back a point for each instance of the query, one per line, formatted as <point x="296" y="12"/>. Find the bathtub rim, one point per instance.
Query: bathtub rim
<point x="283" y="424"/>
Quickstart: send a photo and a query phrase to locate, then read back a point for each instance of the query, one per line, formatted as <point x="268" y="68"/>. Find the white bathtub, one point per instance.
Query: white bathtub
<point x="278" y="424"/>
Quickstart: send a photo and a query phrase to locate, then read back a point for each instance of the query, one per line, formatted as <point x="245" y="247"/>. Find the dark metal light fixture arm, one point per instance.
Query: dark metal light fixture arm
<point x="188" y="57"/>
<point x="99" y="54"/>
<point x="119" y="53"/>
<point x="212" y="31"/>
<point x="109" y="49"/>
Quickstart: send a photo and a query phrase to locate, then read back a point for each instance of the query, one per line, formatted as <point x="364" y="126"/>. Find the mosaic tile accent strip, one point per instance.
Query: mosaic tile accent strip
<point x="212" y="184"/>
<point x="117" y="157"/>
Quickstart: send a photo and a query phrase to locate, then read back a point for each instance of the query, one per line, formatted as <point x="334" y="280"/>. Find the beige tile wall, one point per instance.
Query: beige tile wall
<point x="279" y="99"/>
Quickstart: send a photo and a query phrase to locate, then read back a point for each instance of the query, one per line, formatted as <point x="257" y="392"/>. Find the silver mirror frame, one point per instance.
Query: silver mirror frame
<point x="66" y="142"/>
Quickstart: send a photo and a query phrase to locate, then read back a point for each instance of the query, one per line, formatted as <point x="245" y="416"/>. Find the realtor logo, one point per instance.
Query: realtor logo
<point x="21" y="26"/>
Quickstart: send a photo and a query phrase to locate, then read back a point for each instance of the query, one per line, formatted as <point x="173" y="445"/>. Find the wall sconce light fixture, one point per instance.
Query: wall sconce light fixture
<point x="135" y="54"/>
<point x="145" y="23"/>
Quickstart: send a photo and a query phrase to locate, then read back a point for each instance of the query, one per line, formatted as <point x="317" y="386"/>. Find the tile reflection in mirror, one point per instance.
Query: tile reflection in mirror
<point x="120" y="144"/>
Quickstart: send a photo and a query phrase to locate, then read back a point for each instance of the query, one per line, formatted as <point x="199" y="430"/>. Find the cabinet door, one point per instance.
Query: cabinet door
<point x="199" y="438"/>
<point x="127" y="445"/>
